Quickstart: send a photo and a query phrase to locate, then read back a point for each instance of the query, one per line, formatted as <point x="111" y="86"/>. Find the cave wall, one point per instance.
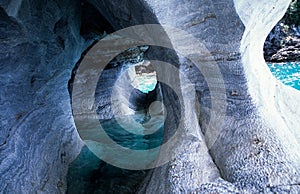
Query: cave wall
<point x="255" y="149"/>
<point x="40" y="44"/>
<point x="114" y="88"/>
<point x="252" y="141"/>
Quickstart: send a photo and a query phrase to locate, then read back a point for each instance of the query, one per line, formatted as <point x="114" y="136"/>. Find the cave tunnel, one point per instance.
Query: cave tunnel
<point x="44" y="44"/>
<point x="132" y="80"/>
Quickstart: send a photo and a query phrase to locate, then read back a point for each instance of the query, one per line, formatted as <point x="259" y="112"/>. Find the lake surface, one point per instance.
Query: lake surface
<point x="89" y="174"/>
<point x="287" y="73"/>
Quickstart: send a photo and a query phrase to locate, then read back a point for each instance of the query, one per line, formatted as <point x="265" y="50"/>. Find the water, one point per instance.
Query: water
<point x="287" y="73"/>
<point x="89" y="174"/>
<point x="134" y="141"/>
<point x="146" y="82"/>
<point x="146" y="86"/>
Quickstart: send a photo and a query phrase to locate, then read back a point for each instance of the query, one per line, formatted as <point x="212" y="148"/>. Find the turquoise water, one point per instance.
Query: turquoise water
<point x="144" y="87"/>
<point x="89" y="174"/>
<point x="146" y="83"/>
<point x="126" y="139"/>
<point x="288" y="73"/>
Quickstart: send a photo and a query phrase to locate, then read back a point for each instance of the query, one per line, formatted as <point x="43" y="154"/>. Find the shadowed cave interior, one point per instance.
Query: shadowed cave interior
<point x="130" y="73"/>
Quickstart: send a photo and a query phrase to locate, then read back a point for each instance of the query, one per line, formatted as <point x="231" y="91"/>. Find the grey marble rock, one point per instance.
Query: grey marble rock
<point x="254" y="149"/>
<point x="39" y="46"/>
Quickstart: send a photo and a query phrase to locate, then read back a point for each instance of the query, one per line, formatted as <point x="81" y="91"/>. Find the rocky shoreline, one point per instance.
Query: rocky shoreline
<point x="283" y="44"/>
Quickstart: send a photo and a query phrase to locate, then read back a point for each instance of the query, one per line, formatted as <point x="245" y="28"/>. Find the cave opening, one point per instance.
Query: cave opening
<point x="135" y="107"/>
<point x="128" y="102"/>
<point x="281" y="47"/>
<point x="143" y="77"/>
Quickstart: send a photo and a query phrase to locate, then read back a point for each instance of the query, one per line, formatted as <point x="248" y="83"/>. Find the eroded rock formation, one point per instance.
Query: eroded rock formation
<point x="254" y="150"/>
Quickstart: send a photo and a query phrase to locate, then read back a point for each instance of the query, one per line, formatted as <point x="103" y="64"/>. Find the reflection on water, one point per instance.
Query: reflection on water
<point x="288" y="73"/>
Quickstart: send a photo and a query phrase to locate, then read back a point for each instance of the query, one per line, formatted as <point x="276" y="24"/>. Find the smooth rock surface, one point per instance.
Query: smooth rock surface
<point x="256" y="148"/>
<point x="40" y="44"/>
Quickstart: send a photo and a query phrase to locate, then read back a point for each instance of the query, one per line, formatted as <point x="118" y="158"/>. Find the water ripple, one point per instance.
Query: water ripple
<point x="287" y="73"/>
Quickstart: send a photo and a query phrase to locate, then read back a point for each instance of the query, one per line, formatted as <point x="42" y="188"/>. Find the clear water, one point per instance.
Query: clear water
<point x="89" y="174"/>
<point x="133" y="141"/>
<point x="288" y="73"/>
<point x="146" y="83"/>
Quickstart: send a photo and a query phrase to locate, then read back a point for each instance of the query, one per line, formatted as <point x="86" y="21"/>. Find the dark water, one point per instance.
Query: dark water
<point x="89" y="174"/>
<point x="287" y="73"/>
<point x="129" y="140"/>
